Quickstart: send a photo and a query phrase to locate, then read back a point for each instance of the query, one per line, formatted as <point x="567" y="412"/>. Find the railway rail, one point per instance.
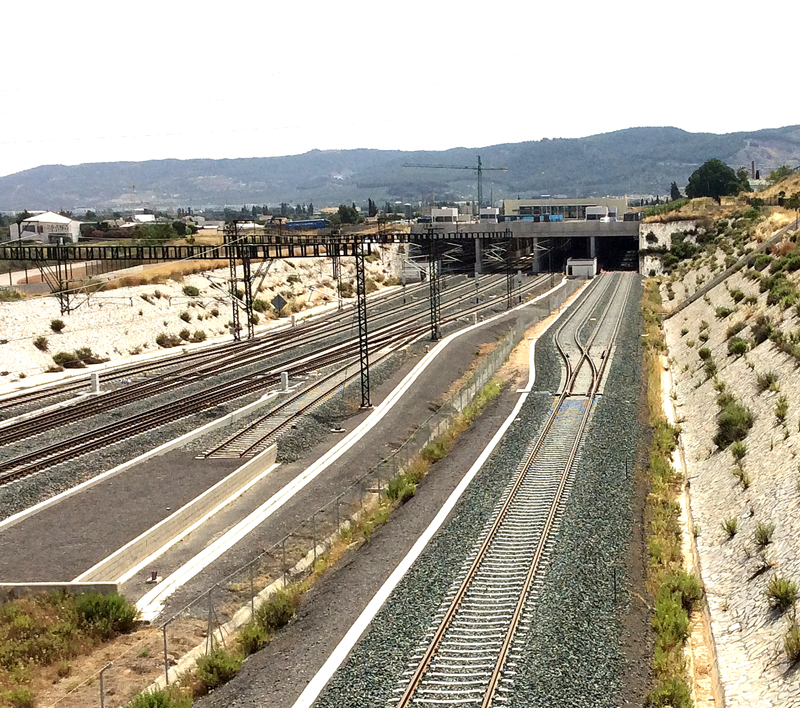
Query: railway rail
<point x="390" y="336"/>
<point x="467" y="657"/>
<point x="192" y="367"/>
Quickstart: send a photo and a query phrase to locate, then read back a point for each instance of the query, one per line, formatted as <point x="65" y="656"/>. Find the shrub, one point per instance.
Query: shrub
<point x="87" y="356"/>
<point x="781" y="409"/>
<point x="215" y="312"/>
<point x="401" y="489"/>
<point x="68" y="360"/>
<point x="737" y="346"/>
<point x="105" y="615"/>
<point x="279" y="610"/>
<point x="704" y="353"/>
<point x="761" y="261"/>
<point x="161" y="698"/>
<point x="684" y="331"/>
<point x="734" y="329"/>
<point x="57" y="325"/>
<point x="733" y="421"/>
<point x="763" y="533"/>
<point x="722" y="312"/>
<point x="217" y="668"/>
<point x="199" y="336"/>
<point x="252" y="637"/>
<point x="742" y="476"/>
<point x="18" y="698"/>
<point x="40" y="343"/>
<point x="185" y="335"/>
<point x="710" y="368"/>
<point x="191" y="290"/>
<point x="10" y="295"/>
<point x="731" y="526"/>
<point x="703" y="336"/>
<point x="737" y="295"/>
<point x="167" y="340"/>
<point x="690" y="343"/>
<point x="293" y="278"/>
<point x="687" y="586"/>
<point x="186" y="316"/>
<point x="739" y="450"/>
<point x="260" y="305"/>
<point x="781" y="593"/>
<point x="766" y="380"/>
<point x="791" y="643"/>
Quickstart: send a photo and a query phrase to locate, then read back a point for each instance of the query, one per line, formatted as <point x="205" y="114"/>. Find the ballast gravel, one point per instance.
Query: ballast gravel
<point x="572" y="655"/>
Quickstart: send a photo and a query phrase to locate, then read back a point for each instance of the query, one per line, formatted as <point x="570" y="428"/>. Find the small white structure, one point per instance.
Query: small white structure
<point x="490" y="215"/>
<point x="47" y="226"/>
<point x="444" y="215"/>
<point x="582" y="267"/>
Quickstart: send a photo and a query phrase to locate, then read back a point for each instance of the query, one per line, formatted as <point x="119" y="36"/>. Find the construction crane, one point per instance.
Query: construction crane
<point x="479" y="169"/>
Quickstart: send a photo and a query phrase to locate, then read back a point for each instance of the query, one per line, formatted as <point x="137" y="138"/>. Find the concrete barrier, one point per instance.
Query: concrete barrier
<point x="144" y="546"/>
<point x="11" y="591"/>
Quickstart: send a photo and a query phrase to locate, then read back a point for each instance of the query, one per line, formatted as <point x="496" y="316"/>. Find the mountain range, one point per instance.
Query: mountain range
<point x="631" y="161"/>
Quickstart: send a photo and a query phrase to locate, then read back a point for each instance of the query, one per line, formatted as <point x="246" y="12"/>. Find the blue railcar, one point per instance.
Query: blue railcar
<point x="307" y="224"/>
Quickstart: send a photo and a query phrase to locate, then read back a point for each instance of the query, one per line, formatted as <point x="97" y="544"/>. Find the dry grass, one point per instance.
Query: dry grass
<point x="789" y="186"/>
<point x="695" y="209"/>
<point x="160" y="274"/>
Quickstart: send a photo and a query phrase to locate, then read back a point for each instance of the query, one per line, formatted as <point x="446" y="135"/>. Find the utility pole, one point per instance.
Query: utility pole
<point x="479" y="169"/>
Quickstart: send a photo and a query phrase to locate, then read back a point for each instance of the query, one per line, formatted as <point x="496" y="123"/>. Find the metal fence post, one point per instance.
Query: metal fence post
<point x="102" y="685"/>
<point x="283" y="547"/>
<point x="210" y="628"/>
<point x="314" y="534"/>
<point x="166" y="658"/>
<point x="252" y="594"/>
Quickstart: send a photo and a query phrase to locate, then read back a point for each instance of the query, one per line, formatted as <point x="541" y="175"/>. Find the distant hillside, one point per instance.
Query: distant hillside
<point x="632" y="161"/>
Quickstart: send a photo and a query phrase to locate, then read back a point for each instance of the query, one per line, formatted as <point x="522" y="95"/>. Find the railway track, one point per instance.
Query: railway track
<point x="219" y="361"/>
<point x="390" y="336"/>
<point x="467" y="658"/>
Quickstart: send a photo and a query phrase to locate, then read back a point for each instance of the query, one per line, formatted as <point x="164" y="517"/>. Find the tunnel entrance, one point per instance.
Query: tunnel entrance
<point x="612" y="252"/>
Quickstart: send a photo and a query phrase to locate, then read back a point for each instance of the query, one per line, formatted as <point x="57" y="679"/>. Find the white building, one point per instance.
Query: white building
<point x="47" y="226"/>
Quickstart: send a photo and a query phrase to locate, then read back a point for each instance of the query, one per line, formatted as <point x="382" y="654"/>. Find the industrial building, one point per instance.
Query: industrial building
<point x="579" y="208"/>
<point x="48" y="227"/>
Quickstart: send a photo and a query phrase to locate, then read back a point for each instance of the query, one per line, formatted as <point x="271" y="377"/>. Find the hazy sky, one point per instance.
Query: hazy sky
<point x="91" y="81"/>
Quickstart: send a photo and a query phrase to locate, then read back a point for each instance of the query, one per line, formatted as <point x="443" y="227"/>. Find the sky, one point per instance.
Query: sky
<point x="97" y="81"/>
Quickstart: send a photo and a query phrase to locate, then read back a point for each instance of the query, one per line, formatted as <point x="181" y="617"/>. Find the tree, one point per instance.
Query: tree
<point x="674" y="192"/>
<point x="310" y="209"/>
<point x="779" y="173"/>
<point x="372" y="208"/>
<point x="180" y="228"/>
<point x="348" y="214"/>
<point x="715" y="179"/>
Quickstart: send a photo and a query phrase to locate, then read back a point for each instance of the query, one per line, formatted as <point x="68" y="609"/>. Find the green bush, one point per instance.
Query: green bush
<point x="218" y="667"/>
<point x="670" y="693"/>
<point x="733" y="421"/>
<point x="40" y="343"/>
<point x="252" y="637"/>
<point x="782" y="593"/>
<point x="186" y="316"/>
<point x="199" y="336"/>
<point x="763" y="534"/>
<point x="739" y="450"/>
<point x="18" y="698"/>
<point x="737" y="346"/>
<point x="734" y="329"/>
<point x="105" y="615"/>
<point x="160" y="698"/>
<point x="214" y="312"/>
<point x="87" y="356"/>
<point x="791" y="643"/>
<point x="684" y="331"/>
<point x="9" y="295"/>
<point x="730" y="526"/>
<point x="401" y="489"/>
<point x="167" y="340"/>
<point x="687" y="586"/>
<point x="185" y="335"/>
<point x="191" y="290"/>
<point x="737" y="295"/>
<point x="669" y="620"/>
<point x="260" y="305"/>
<point x="68" y="360"/>
<point x="761" y="261"/>
<point x="704" y="353"/>
<point x="278" y="610"/>
<point x="781" y="409"/>
<point x="57" y="325"/>
<point x="722" y="312"/>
